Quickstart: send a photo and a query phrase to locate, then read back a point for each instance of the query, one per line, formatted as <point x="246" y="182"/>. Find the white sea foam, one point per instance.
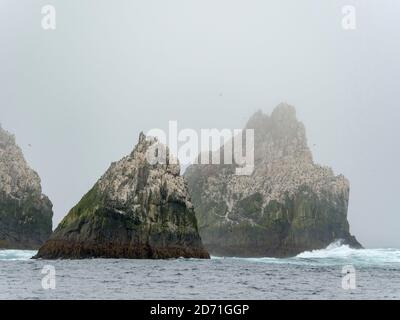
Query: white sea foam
<point x="336" y="253"/>
<point x="335" y="250"/>
<point x="16" y="254"/>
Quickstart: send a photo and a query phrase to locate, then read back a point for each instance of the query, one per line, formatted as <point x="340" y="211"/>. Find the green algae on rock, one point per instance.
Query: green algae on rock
<point x="25" y="213"/>
<point x="136" y="210"/>
<point x="287" y="205"/>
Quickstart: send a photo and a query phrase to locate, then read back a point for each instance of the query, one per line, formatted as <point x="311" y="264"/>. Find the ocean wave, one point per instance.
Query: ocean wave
<point x="17" y="254"/>
<point x="334" y="250"/>
<point x="339" y="251"/>
<point x="336" y="253"/>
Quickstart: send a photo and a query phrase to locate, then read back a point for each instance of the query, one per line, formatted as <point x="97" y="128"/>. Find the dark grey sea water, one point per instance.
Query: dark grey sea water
<point x="310" y="275"/>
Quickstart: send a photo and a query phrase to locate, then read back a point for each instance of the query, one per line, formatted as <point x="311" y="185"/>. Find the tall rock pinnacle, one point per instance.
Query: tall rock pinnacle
<point x="135" y="210"/>
<point x="288" y="205"/>
<point x="25" y="213"/>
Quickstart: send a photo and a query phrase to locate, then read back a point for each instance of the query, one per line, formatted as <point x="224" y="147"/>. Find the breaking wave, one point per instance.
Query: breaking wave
<point x="338" y="253"/>
<point x="17" y="254"/>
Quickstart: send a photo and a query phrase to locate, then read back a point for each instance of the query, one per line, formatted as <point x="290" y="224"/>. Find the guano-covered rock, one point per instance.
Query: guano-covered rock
<point x="136" y="210"/>
<point x="287" y="205"/>
<point x="25" y="213"/>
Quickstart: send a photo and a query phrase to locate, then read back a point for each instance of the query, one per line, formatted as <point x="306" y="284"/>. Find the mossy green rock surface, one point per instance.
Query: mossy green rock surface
<point x="136" y="210"/>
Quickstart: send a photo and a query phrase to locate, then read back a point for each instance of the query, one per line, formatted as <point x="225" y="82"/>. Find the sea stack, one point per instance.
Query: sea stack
<point x="25" y="213"/>
<point x="287" y="205"/>
<point x="136" y="210"/>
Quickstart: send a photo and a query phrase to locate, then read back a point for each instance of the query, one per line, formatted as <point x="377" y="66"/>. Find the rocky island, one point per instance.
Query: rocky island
<point x="136" y="210"/>
<point x="25" y="213"/>
<point x="287" y="205"/>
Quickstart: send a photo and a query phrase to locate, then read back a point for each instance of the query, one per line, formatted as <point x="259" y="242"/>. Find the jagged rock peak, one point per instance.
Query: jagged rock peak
<point x="25" y="213"/>
<point x="6" y="137"/>
<point x="279" y="136"/>
<point x="287" y="205"/>
<point x="16" y="177"/>
<point x="135" y="210"/>
<point x="118" y="182"/>
<point x="284" y="111"/>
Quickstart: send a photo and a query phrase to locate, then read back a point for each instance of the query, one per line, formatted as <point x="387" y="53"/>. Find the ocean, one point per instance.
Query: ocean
<point x="337" y="272"/>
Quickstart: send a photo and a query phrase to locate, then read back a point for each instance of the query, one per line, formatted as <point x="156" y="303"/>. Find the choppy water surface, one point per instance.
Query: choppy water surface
<point x="310" y="275"/>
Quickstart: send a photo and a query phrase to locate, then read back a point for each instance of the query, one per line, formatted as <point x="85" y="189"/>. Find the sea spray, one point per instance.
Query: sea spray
<point x="16" y="254"/>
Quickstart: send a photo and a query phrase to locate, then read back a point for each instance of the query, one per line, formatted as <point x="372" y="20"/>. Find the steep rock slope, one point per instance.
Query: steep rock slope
<point x="25" y="213"/>
<point x="135" y="210"/>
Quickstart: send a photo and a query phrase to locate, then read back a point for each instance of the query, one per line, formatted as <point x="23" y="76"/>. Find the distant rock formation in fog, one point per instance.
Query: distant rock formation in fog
<point x="287" y="205"/>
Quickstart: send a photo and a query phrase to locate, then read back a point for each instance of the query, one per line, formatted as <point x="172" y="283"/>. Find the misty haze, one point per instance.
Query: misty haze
<point x="322" y="100"/>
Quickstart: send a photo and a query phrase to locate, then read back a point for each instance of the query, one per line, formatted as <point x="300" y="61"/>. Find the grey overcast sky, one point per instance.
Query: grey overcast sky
<point x="80" y="95"/>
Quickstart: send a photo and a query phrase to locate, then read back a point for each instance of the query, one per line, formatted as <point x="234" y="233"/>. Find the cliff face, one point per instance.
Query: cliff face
<point x="286" y="206"/>
<point x="25" y="213"/>
<point x="135" y="210"/>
